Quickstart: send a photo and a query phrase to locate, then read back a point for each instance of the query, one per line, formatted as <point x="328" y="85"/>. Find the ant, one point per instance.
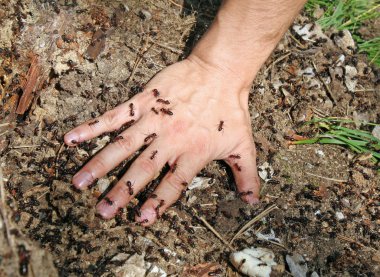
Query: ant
<point x="153" y="196"/>
<point x="173" y="168"/>
<point x="154" y="110"/>
<point x="162" y="101"/>
<point x="150" y="137"/>
<point x="108" y="201"/>
<point x="130" y="187"/>
<point x="244" y="193"/>
<point x="238" y="167"/>
<point x="234" y="156"/>
<point x="154" y="153"/>
<point x="220" y="127"/>
<point x="215" y="272"/>
<point x="74" y="141"/>
<point x="184" y="184"/>
<point x="156" y="93"/>
<point x="131" y="111"/>
<point x="117" y="138"/>
<point x="93" y="122"/>
<point x="166" y="111"/>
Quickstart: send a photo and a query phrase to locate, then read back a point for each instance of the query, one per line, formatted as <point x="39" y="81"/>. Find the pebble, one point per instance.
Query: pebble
<point x="146" y="15"/>
<point x="339" y="215"/>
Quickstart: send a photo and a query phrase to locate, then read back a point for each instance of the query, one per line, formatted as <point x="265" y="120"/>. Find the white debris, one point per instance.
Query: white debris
<point x="265" y="171"/>
<point x="103" y="184"/>
<point x="340" y="60"/>
<point x="350" y="79"/>
<point x="339" y="215"/>
<point x="100" y="144"/>
<point x="320" y="153"/>
<point x="271" y="236"/>
<point x="201" y="182"/>
<point x="314" y="274"/>
<point x="310" y="32"/>
<point x="345" y="42"/>
<point x="255" y="262"/>
<point x="135" y="266"/>
<point x="297" y="265"/>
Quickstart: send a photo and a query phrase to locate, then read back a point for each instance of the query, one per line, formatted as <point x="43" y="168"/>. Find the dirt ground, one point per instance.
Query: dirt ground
<point x="84" y="57"/>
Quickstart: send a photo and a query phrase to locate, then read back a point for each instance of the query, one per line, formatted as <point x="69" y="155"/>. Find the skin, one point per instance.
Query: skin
<point x="210" y="119"/>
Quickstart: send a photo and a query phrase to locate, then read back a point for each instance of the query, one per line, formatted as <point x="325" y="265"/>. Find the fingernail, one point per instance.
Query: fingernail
<point x="72" y="138"/>
<point x="105" y="209"/>
<point x="82" y="179"/>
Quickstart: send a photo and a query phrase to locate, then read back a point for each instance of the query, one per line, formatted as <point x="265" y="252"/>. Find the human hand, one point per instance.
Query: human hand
<point x="201" y="114"/>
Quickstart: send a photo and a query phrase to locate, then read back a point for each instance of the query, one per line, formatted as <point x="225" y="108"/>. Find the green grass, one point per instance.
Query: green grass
<point x="350" y="15"/>
<point x="333" y="131"/>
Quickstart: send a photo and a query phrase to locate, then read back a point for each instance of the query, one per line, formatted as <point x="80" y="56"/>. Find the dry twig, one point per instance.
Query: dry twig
<point x="253" y="221"/>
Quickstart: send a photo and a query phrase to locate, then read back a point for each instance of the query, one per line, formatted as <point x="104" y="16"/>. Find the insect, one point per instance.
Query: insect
<point x="184" y="184"/>
<point x="153" y="195"/>
<point x="154" y="110"/>
<point x="24" y="257"/>
<point x="108" y="201"/>
<point x="74" y="141"/>
<point x="131" y="110"/>
<point x="130" y="187"/>
<point x="117" y="138"/>
<point x="156" y="93"/>
<point x="234" y="156"/>
<point x="162" y="101"/>
<point x="166" y="111"/>
<point x="93" y="122"/>
<point x="220" y="127"/>
<point x="154" y="153"/>
<point x="150" y="137"/>
<point x="244" y="193"/>
<point x="137" y="211"/>
<point x="215" y="272"/>
<point x="238" y="167"/>
<point x="173" y="168"/>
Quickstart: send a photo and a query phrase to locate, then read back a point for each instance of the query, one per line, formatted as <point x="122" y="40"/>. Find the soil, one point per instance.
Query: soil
<point x="81" y="58"/>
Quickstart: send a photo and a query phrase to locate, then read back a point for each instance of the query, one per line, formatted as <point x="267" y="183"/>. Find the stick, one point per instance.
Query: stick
<point x="327" y="178"/>
<point x="276" y="61"/>
<point x="3" y="212"/>
<point x="253" y="221"/>
<point x="213" y="230"/>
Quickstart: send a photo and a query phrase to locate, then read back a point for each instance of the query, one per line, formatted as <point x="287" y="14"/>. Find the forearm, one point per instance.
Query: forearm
<point x="243" y="35"/>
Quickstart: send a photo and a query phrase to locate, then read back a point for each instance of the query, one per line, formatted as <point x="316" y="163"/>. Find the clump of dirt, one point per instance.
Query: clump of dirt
<point x="97" y="54"/>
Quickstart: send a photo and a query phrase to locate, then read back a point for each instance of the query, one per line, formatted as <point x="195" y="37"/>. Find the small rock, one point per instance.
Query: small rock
<point x="255" y="262"/>
<point x="200" y="183"/>
<point x="145" y="15"/>
<point x="265" y="171"/>
<point x="376" y="132"/>
<point x="350" y="79"/>
<point x="339" y="216"/>
<point x="297" y="265"/>
<point x="314" y="274"/>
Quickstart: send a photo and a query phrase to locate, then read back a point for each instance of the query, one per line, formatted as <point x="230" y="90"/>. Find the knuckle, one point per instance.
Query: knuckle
<point x="148" y="166"/>
<point x="174" y="182"/>
<point x="98" y="163"/>
<point x="126" y="143"/>
<point x="111" y="118"/>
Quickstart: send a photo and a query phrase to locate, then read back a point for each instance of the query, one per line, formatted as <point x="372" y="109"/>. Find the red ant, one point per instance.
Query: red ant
<point x="153" y="196"/>
<point x="220" y="127"/>
<point x="131" y="111"/>
<point x="156" y="93"/>
<point x="154" y="153"/>
<point x="117" y="138"/>
<point x="166" y="111"/>
<point x="108" y="201"/>
<point x="130" y="187"/>
<point x="238" y="167"/>
<point x="150" y="137"/>
<point x="234" y="156"/>
<point x="154" y="110"/>
<point x="173" y="168"/>
<point x="244" y="193"/>
<point x="184" y="184"/>
<point x="93" y="122"/>
<point x="165" y="102"/>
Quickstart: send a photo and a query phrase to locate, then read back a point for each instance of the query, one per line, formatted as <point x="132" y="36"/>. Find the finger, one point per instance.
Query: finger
<point x="146" y="167"/>
<point x="126" y="113"/>
<point x="123" y="146"/>
<point x="170" y="189"/>
<point x="243" y="165"/>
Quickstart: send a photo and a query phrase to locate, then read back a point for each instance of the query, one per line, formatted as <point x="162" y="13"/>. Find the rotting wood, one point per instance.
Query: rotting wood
<point x="29" y="86"/>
